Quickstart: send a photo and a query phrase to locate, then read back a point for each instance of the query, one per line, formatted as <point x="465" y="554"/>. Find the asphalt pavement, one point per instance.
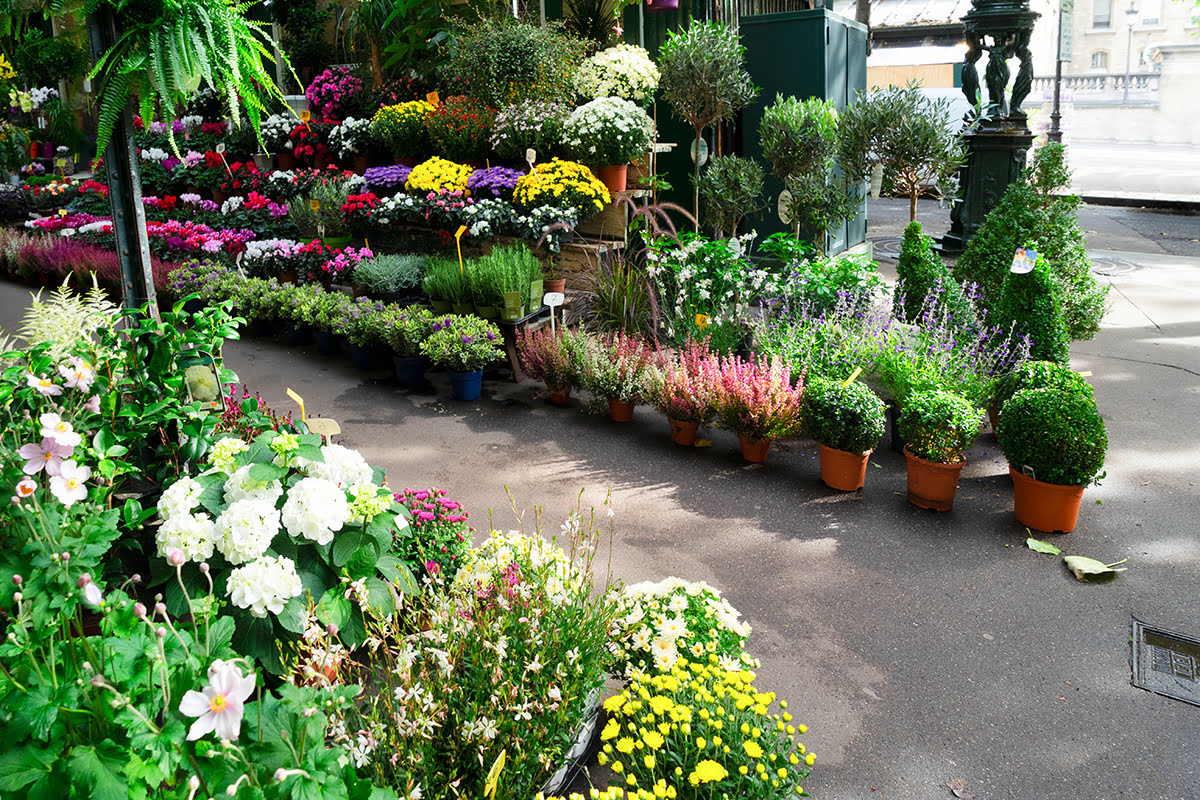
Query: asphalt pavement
<point x="920" y="648"/>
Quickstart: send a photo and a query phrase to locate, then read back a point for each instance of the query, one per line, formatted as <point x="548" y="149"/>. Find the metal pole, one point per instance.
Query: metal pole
<point x="1128" y="55"/>
<point x="1055" y="133"/>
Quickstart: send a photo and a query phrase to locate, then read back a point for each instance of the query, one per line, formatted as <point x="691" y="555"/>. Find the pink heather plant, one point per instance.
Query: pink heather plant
<point x="686" y="388"/>
<point x="756" y="399"/>
<point x="550" y="357"/>
<point x="616" y="367"/>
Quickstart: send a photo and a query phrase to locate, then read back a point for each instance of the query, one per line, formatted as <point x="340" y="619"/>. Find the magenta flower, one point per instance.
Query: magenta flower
<point x="48" y="455"/>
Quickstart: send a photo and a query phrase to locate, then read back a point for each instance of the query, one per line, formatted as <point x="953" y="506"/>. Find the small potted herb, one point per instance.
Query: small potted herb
<point x="390" y="278"/>
<point x="463" y="345"/>
<point x="847" y="420"/>
<point x="1055" y="443"/>
<point x="939" y="427"/>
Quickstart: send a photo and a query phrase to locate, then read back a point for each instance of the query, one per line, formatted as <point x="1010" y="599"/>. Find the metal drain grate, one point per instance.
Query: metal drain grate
<point x="1113" y="265"/>
<point x="1166" y="663"/>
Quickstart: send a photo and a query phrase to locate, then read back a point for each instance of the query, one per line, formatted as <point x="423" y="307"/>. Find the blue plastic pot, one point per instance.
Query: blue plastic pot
<point x="465" y="385"/>
<point x="410" y="370"/>
<point x="296" y="334"/>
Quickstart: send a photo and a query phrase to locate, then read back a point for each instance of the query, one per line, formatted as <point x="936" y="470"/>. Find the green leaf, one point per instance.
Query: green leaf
<point x="100" y="771"/>
<point x="35" y="712"/>
<point x="1087" y="568"/>
<point x="1041" y="547"/>
<point x="362" y="563"/>
<point x="348" y="543"/>
<point x="334" y="607"/>
<point x="383" y="528"/>
<point x="19" y="768"/>
<point x="292" y="615"/>
<point x="265" y="473"/>
<point x="393" y="568"/>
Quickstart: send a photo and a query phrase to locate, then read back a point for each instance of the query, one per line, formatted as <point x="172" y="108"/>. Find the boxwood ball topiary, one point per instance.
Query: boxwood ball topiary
<point x="939" y="425"/>
<point x="848" y="418"/>
<point x="1038" y="375"/>
<point x="1060" y="435"/>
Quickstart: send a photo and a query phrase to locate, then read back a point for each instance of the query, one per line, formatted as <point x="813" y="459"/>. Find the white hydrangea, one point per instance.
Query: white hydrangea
<point x="222" y="453"/>
<point x="245" y="529"/>
<point x="342" y="466"/>
<point x="265" y="585"/>
<point x="241" y="486"/>
<point x="315" y="509"/>
<point x="193" y="534"/>
<point x="180" y="498"/>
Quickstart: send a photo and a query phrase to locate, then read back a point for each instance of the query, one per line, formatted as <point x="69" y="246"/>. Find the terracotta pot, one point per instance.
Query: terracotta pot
<point x="930" y="484"/>
<point x="361" y="164"/>
<point x="555" y="285"/>
<point x="754" y="450"/>
<point x="1045" y="507"/>
<point x="620" y="411"/>
<point x="288" y="276"/>
<point x="559" y="397"/>
<point x="285" y="160"/>
<point x="684" y="433"/>
<point x="219" y="196"/>
<point x="613" y="176"/>
<point x="846" y="472"/>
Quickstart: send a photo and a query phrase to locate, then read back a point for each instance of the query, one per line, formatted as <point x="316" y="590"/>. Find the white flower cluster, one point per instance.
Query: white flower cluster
<point x="350" y="137"/>
<point x="191" y="122"/>
<point x="487" y="217"/>
<point x="155" y="154"/>
<point x="275" y="130"/>
<point x="245" y="529"/>
<point x="240" y="486"/>
<point x="179" y="498"/>
<point x="501" y="550"/>
<point x="621" y="71"/>
<point x="342" y="466"/>
<point x="607" y="131"/>
<point x="265" y="585"/>
<point x="39" y="96"/>
<point x="399" y="207"/>
<point x="315" y="509"/>
<point x="223" y="451"/>
<point x="191" y="534"/>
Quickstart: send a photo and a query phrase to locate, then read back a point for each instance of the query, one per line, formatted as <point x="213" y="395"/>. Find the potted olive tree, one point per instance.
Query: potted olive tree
<point x="847" y="420"/>
<point x="939" y="427"/>
<point x="1055" y="442"/>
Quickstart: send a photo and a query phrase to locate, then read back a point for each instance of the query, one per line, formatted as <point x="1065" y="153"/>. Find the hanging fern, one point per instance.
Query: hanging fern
<point x="165" y="59"/>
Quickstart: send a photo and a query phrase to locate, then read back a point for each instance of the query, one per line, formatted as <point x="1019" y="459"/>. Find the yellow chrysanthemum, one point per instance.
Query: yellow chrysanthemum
<point x="753" y="749"/>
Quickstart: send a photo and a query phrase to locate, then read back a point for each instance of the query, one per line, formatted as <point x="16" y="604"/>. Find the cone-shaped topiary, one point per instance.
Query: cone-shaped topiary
<point x="1031" y="304"/>
<point x="921" y="273"/>
<point x="1058" y="435"/>
<point x="1038" y="375"/>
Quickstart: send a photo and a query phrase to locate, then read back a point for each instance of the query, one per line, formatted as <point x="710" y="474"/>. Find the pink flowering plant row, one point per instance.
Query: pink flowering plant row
<point x="171" y="237"/>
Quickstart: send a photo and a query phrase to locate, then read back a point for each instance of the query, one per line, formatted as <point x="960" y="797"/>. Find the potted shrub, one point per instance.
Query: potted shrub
<point x="463" y="346"/>
<point x="404" y="329"/>
<point x="615" y="368"/>
<point x="363" y="328"/>
<point x="441" y="283"/>
<point x="847" y="421"/>
<point x="390" y="278"/>
<point x="606" y="134"/>
<point x="731" y="189"/>
<point x="757" y="401"/>
<point x="1034" y="375"/>
<point x="551" y="356"/>
<point x="1031" y="304"/>
<point x="400" y="131"/>
<point x="938" y="426"/>
<point x="1055" y="443"/>
<point x="322" y="314"/>
<point x="685" y="391"/>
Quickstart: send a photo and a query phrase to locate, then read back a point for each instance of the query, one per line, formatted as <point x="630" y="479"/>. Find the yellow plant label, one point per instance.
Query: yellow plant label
<point x="493" y="776"/>
<point x="62" y="212"/>
<point x="305" y="115"/>
<point x="853" y="375"/>
<point x="315" y="205"/>
<point x="367" y="242"/>
<point x="323" y="427"/>
<point x="1086" y="374"/>
<point x="458" y="242"/>
<point x="702" y="321"/>
<point x="298" y="400"/>
<point x="433" y="99"/>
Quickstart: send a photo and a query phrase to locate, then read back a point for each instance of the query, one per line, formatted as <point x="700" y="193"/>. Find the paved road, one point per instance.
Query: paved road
<point x="1113" y="169"/>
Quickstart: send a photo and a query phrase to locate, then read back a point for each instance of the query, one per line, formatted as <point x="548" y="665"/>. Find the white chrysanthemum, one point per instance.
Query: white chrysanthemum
<point x="193" y="534"/>
<point x="245" y="530"/>
<point x="180" y="498"/>
<point x="342" y="466"/>
<point x="241" y="486"/>
<point x="672" y="629"/>
<point x="264" y="585"/>
<point x="222" y="453"/>
<point x="315" y="509"/>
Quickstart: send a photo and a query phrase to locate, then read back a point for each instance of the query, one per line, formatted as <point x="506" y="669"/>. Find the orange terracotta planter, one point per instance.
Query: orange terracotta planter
<point x="931" y="484"/>
<point x="1045" y="507"/>
<point x="613" y="176"/>
<point x="754" y="450"/>
<point x="846" y="472"/>
<point x="683" y="433"/>
<point x="620" y="411"/>
<point x="559" y="397"/>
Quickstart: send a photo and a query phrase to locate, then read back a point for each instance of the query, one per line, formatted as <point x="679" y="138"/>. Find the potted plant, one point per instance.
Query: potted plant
<point x="400" y="131"/>
<point x="562" y="184"/>
<point x="332" y="93"/>
<point x="939" y="427"/>
<point x="606" y="134"/>
<point x="1034" y="375"/>
<point x="685" y="391"/>
<point x="404" y="329"/>
<point x="350" y="143"/>
<point x="535" y="125"/>
<point x="551" y="356"/>
<point x="615" y="369"/>
<point x="443" y="283"/>
<point x="390" y="277"/>
<point x="459" y="128"/>
<point x="847" y="420"/>
<point x="624" y="70"/>
<point x="362" y="326"/>
<point x="1055" y="443"/>
<point x="463" y="345"/>
<point x="757" y="401"/>
<point x="322" y="314"/>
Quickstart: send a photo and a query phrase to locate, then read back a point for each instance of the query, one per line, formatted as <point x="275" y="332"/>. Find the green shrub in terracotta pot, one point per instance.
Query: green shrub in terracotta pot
<point x="939" y="427"/>
<point x="847" y="421"/>
<point x="1037" y="375"/>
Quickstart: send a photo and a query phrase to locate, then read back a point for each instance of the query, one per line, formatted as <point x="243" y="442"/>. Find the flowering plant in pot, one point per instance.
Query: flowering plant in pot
<point x="562" y="184"/>
<point x="616" y="368"/>
<point x="938" y="426"/>
<point x="241" y="179"/>
<point x="607" y="134"/>
<point x="464" y="345"/>
<point x="351" y="139"/>
<point x="1055" y="443"/>
<point x="387" y="180"/>
<point x="624" y="71"/>
<point x="437" y="175"/>
<point x="758" y="401"/>
<point x="459" y="128"/>
<point x="364" y="329"/>
<point x="437" y="538"/>
<point x="404" y="329"/>
<point x="498" y="182"/>
<point x="275" y="131"/>
<point x="332" y="93"/>
<point x="535" y="125"/>
<point x="551" y="356"/>
<point x="308" y="147"/>
<point x="400" y="129"/>
<point x="357" y="212"/>
<point x="685" y="390"/>
<point x="847" y="420"/>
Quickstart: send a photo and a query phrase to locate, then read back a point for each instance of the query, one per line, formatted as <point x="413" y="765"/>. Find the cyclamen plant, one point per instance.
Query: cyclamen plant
<point x="351" y="138"/>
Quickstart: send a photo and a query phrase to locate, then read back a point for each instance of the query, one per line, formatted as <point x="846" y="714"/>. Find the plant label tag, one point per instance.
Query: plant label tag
<point x="702" y="321"/>
<point x="60" y="163"/>
<point x="1087" y="373"/>
<point x="187" y="136"/>
<point x="1022" y="263"/>
<point x="324" y="427"/>
<point x="876" y="181"/>
<point x="305" y="115"/>
<point x="314" y="205"/>
<point x="321" y="231"/>
<point x="531" y="156"/>
<point x="62" y="212"/>
<point x="433" y="99"/>
<point x="853" y="375"/>
<point x="367" y="242"/>
<point x="1028" y="470"/>
<point x="461" y="230"/>
<point x="458" y="243"/>
<point x="298" y="400"/>
<point x="221" y="148"/>
<point x="554" y="299"/>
